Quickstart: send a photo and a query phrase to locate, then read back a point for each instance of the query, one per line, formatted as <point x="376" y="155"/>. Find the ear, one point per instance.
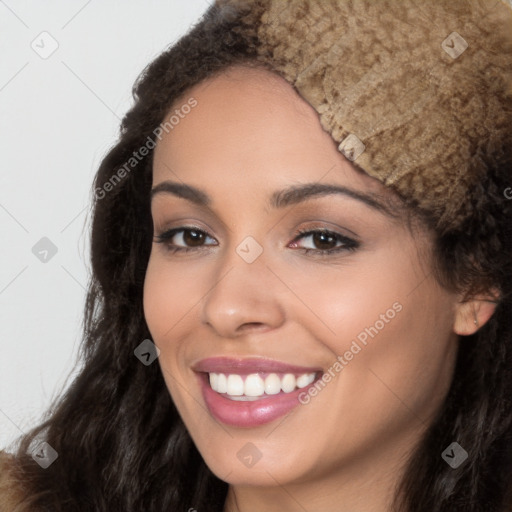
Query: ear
<point x="471" y="314"/>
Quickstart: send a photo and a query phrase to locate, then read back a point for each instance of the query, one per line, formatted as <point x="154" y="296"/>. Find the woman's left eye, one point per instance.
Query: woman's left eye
<point x="194" y="238"/>
<point x="325" y="238"/>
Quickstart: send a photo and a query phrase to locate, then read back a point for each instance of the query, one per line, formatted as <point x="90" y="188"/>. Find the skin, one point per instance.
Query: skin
<point x="250" y="135"/>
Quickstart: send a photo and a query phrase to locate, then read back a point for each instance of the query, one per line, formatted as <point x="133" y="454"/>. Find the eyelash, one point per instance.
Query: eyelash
<point x="349" y="244"/>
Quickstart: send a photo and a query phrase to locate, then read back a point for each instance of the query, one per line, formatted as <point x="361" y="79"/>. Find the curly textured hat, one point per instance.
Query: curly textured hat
<point x="417" y="93"/>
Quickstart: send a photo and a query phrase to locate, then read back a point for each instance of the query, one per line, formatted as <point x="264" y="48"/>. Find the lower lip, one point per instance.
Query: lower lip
<point x="251" y="413"/>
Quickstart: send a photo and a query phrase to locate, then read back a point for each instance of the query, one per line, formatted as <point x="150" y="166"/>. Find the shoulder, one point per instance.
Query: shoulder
<point x="11" y="490"/>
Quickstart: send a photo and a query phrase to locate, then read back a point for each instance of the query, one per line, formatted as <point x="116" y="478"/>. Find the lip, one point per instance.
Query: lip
<point x="245" y="366"/>
<point x="251" y="413"/>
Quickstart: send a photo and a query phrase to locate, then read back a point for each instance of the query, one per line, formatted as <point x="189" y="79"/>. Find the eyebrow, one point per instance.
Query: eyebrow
<point x="279" y="199"/>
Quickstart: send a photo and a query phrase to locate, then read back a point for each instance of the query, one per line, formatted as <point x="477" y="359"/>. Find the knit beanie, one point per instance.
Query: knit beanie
<point x="416" y="93"/>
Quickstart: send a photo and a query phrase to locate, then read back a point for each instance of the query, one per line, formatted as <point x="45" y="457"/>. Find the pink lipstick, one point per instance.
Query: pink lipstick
<point x="252" y="391"/>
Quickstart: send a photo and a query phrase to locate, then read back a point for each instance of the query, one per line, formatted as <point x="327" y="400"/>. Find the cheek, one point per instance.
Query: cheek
<point x="418" y="352"/>
<point x="394" y="337"/>
<point x="403" y="360"/>
<point x="380" y="298"/>
<point x="347" y="301"/>
<point x="169" y="295"/>
<point x="172" y="300"/>
<point x="157" y="303"/>
<point x="165" y="303"/>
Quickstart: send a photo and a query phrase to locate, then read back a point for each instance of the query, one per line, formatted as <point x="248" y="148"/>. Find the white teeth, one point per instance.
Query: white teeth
<point x="305" y="380"/>
<point x="235" y="385"/>
<point x="222" y="384"/>
<point x="288" y="383"/>
<point x="255" y="386"/>
<point x="272" y="384"/>
<point x="214" y="379"/>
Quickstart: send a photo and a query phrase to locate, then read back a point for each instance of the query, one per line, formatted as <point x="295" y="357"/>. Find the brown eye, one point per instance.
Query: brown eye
<point x="183" y="239"/>
<point x="325" y="242"/>
<point x="193" y="237"/>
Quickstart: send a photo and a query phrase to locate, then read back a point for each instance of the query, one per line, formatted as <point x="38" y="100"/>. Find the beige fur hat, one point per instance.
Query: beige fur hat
<point x="417" y="93"/>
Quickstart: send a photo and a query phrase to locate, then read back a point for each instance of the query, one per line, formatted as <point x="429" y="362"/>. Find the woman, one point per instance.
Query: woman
<point x="301" y="290"/>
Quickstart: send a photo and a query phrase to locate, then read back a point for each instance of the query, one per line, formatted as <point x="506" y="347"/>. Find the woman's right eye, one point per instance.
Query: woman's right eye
<point x="183" y="239"/>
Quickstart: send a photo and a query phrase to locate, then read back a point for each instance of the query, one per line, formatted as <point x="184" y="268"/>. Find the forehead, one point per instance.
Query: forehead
<point x="250" y="122"/>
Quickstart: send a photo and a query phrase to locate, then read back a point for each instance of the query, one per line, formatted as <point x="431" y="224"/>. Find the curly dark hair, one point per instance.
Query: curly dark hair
<point x="121" y="442"/>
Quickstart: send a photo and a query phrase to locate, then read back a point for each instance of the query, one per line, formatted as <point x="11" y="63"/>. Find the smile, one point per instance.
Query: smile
<point x="251" y="392"/>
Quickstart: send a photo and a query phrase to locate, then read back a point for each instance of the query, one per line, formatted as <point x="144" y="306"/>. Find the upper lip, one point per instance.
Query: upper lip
<point x="249" y="365"/>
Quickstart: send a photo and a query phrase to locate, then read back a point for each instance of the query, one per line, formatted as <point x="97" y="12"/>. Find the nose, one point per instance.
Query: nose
<point x="244" y="297"/>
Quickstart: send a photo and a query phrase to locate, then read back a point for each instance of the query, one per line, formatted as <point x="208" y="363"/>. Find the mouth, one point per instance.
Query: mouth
<point x="252" y="392"/>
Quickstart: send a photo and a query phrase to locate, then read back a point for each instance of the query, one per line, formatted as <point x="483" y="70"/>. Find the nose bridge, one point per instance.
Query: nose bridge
<point x="243" y="291"/>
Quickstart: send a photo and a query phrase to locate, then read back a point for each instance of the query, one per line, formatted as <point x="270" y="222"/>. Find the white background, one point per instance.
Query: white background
<point x="58" y="118"/>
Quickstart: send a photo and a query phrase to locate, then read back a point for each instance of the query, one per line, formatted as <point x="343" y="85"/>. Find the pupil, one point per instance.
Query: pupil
<point x="320" y="238"/>
<point x="192" y="237"/>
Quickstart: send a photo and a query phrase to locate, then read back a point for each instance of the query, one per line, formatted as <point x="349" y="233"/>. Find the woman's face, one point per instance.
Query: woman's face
<point x="238" y="292"/>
